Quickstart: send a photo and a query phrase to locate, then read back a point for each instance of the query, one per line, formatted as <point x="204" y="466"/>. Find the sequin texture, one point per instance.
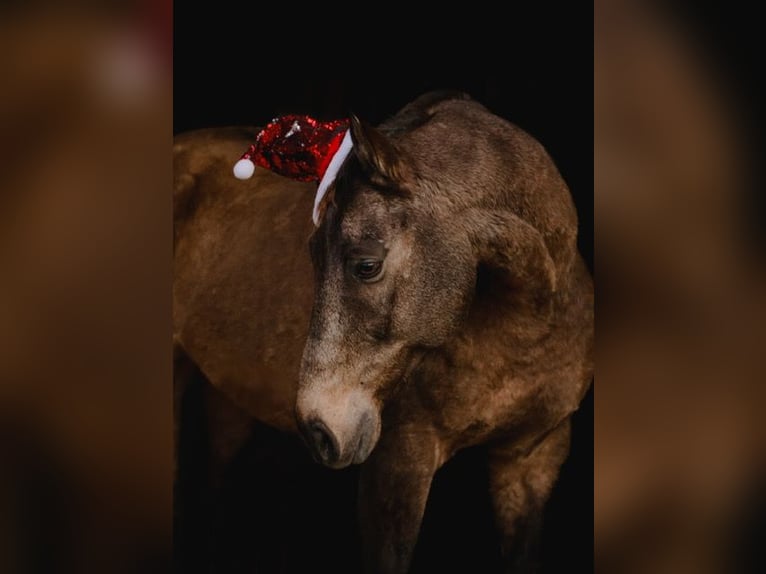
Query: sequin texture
<point x="298" y="147"/>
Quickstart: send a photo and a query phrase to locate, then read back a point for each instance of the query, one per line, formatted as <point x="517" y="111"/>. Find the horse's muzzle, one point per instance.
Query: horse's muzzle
<point x="339" y="429"/>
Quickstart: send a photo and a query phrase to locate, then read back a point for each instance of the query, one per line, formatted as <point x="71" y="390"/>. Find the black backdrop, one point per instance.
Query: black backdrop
<point x="236" y="64"/>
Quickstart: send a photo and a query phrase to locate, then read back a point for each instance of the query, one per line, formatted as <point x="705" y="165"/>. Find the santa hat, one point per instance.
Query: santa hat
<point x="301" y="148"/>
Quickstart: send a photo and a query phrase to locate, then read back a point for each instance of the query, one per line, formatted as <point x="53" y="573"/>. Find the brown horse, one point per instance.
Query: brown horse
<point x="450" y="309"/>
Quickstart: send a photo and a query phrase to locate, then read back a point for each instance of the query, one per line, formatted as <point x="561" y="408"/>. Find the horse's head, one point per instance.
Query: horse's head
<point x="389" y="282"/>
<point x="400" y="257"/>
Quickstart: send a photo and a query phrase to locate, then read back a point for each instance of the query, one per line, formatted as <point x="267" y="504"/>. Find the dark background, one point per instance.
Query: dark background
<point x="235" y="65"/>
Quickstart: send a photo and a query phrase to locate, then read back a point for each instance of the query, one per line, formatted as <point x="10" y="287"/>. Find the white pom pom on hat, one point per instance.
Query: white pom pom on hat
<point x="244" y="169"/>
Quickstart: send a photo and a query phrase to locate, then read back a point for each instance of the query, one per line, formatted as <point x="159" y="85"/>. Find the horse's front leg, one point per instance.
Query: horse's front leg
<point x="393" y="490"/>
<point x="520" y="486"/>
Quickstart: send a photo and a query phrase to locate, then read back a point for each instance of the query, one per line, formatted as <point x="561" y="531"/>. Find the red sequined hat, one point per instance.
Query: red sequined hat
<point x="301" y="148"/>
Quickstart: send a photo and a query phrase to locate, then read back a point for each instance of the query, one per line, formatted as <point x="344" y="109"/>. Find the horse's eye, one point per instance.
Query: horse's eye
<point x="368" y="270"/>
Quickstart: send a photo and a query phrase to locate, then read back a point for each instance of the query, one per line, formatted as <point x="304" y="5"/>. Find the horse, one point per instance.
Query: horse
<point x="439" y="304"/>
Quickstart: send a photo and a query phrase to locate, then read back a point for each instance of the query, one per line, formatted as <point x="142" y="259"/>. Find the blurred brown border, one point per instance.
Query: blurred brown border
<point x="85" y="325"/>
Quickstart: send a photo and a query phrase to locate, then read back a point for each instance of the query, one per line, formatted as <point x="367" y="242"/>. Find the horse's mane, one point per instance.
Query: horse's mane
<point x="419" y="111"/>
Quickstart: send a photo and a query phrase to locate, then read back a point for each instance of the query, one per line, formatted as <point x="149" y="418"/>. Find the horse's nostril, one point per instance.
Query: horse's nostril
<point x="322" y="441"/>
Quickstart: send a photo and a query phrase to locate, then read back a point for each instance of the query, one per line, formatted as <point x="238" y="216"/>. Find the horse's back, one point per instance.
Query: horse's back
<point x="242" y="277"/>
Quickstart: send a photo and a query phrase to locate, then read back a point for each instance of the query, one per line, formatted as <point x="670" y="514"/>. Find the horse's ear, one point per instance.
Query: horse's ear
<point x="377" y="154"/>
<point x="504" y="242"/>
